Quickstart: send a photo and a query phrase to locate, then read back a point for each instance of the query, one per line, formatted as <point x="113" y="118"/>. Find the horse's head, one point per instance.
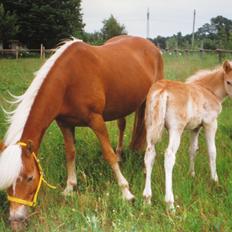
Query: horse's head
<point x="23" y="185"/>
<point x="227" y="67"/>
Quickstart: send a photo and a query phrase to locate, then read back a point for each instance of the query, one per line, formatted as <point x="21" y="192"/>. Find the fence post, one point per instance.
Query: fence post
<point x="17" y="52"/>
<point x="42" y="51"/>
<point x="219" y="51"/>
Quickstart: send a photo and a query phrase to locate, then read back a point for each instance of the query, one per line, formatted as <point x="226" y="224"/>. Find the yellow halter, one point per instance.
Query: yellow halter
<point x="41" y="179"/>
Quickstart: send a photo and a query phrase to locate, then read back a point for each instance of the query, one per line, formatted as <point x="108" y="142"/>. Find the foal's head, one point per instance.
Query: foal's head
<point x="22" y="185"/>
<point x="227" y="67"/>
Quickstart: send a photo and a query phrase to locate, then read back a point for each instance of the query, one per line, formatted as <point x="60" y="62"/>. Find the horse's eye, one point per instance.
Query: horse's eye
<point x="229" y="83"/>
<point x="30" y="178"/>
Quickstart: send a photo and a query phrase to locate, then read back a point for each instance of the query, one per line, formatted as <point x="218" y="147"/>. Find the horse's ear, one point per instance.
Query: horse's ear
<point x="29" y="148"/>
<point x="227" y="67"/>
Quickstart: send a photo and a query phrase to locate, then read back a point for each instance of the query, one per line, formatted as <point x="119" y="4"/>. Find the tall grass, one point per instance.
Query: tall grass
<point x="97" y="204"/>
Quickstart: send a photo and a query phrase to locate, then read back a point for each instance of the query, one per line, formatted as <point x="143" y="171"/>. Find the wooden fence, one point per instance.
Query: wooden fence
<point x="219" y="52"/>
<point x="18" y="52"/>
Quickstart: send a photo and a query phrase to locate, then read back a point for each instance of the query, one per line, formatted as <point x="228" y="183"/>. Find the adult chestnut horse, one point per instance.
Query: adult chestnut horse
<point x="80" y="85"/>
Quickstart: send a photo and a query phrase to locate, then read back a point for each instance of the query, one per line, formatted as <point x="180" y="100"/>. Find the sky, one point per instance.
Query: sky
<point x="167" y="17"/>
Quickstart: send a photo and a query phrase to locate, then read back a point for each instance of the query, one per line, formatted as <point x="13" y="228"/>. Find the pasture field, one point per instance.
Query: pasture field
<point x="97" y="204"/>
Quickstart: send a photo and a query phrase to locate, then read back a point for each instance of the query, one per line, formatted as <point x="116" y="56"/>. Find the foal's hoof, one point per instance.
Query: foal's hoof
<point x="170" y="208"/>
<point x="147" y="200"/>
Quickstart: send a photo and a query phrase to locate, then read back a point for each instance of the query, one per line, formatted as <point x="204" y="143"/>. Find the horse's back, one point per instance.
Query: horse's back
<point x="112" y="79"/>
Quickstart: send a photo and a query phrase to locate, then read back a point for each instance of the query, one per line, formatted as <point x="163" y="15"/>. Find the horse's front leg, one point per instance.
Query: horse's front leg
<point x="169" y="161"/>
<point x="69" y="141"/>
<point x="121" y="126"/>
<point x="210" y="132"/>
<point x="97" y="124"/>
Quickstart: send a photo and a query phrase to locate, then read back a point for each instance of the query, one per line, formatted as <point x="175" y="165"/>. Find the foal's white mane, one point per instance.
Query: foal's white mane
<point x="10" y="158"/>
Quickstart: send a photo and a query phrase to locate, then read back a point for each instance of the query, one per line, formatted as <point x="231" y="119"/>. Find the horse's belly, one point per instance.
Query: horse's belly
<point x="120" y="112"/>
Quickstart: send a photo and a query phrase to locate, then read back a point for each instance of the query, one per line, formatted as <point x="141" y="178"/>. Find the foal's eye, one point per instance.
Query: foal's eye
<point x="30" y="178"/>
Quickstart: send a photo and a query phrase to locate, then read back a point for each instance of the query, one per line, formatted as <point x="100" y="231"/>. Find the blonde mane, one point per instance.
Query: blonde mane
<point x="18" y="117"/>
<point x="202" y="74"/>
<point x="10" y="158"/>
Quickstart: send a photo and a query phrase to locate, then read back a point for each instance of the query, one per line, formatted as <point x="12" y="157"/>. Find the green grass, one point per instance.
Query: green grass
<point x="97" y="205"/>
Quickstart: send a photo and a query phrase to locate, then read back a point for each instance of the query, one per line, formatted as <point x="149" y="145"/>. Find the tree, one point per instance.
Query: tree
<point x="224" y="30"/>
<point x="112" y="28"/>
<point x="7" y="26"/>
<point x="46" y="21"/>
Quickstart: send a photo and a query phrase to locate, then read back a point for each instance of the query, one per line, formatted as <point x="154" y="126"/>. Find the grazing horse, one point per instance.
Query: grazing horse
<point x="176" y="106"/>
<point x="80" y="85"/>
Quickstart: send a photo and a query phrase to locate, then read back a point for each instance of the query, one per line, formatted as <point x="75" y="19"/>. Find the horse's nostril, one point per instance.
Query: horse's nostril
<point x="228" y="83"/>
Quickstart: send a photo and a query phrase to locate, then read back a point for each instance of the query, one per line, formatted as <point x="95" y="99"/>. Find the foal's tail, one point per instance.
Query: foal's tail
<point x="155" y="114"/>
<point x="139" y="131"/>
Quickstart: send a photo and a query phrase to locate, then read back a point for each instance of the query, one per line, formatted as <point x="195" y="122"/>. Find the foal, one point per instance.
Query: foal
<point x="176" y="106"/>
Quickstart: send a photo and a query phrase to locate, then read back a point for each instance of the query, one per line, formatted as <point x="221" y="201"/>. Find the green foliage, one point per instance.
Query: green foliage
<point x="97" y="205"/>
<point x="213" y="35"/>
<point x="44" y="21"/>
<point x="111" y="28"/>
<point x="8" y="27"/>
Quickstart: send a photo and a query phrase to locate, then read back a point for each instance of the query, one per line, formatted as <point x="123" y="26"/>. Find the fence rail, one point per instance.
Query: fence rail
<point x="220" y="52"/>
<point x="17" y="52"/>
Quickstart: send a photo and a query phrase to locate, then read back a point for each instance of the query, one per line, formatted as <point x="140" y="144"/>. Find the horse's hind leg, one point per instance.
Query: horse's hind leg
<point x="69" y="141"/>
<point x="98" y="126"/>
<point x="121" y="125"/>
<point x="192" y="150"/>
<point x="210" y="132"/>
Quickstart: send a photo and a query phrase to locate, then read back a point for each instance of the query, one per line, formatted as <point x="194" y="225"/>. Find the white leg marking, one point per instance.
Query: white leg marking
<point x="170" y="155"/>
<point x="72" y="179"/>
<point x="210" y="132"/>
<point x="122" y="182"/>
<point x="192" y="150"/>
<point x="149" y="162"/>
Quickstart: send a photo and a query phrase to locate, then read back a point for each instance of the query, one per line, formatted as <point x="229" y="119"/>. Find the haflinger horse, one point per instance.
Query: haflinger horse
<point x="177" y="106"/>
<point x="79" y="85"/>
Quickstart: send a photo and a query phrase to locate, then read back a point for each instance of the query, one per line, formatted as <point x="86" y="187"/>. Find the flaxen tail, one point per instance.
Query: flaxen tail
<point x="155" y="114"/>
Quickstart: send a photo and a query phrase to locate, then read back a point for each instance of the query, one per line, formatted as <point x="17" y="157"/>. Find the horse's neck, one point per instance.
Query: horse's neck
<point x="44" y="110"/>
<point x="215" y="84"/>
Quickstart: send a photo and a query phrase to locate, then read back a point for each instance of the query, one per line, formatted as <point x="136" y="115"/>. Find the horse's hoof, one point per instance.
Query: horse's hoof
<point x="67" y="192"/>
<point x="128" y="196"/>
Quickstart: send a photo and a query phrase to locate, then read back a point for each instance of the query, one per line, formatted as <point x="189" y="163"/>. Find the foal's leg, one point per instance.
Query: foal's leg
<point x="98" y="126"/>
<point x="210" y="132"/>
<point x="121" y="125"/>
<point x="69" y="141"/>
<point x="170" y="156"/>
<point x="149" y="162"/>
<point x="192" y="150"/>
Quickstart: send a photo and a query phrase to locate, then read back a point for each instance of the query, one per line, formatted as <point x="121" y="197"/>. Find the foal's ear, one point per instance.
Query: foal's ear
<point x="2" y="146"/>
<point x="227" y="67"/>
